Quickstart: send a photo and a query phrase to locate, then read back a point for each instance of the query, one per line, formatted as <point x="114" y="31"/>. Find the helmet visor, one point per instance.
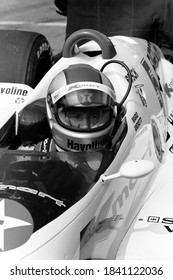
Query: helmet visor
<point x="83" y="118"/>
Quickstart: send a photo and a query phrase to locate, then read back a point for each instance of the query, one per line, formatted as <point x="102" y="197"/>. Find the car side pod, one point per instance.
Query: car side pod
<point x="131" y="169"/>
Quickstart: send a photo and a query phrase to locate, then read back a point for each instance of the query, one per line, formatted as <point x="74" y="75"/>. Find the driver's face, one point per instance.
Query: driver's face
<point x="84" y="119"/>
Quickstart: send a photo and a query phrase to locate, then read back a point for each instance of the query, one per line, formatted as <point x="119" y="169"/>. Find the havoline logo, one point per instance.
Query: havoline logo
<point x="85" y="147"/>
<point x="13" y="91"/>
<point x="16" y="225"/>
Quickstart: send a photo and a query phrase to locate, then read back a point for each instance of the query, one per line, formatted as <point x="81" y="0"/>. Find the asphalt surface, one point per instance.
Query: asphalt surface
<point x="34" y="15"/>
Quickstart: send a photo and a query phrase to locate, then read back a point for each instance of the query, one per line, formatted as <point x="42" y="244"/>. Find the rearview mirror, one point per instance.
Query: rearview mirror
<point x="131" y="169"/>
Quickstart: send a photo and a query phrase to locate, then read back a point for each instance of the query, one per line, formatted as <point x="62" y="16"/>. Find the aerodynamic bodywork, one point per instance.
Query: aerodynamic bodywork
<point x="105" y="204"/>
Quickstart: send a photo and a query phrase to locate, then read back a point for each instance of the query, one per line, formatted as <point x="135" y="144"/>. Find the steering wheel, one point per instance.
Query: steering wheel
<point x="106" y="45"/>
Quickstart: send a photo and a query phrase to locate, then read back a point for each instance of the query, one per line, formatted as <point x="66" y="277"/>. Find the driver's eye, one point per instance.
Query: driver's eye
<point x="73" y="115"/>
<point x="94" y="116"/>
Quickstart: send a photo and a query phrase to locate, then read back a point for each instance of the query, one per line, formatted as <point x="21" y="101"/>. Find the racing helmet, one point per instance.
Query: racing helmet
<point x="81" y="108"/>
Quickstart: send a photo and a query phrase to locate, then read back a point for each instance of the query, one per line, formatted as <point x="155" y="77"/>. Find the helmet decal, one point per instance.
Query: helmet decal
<point x="72" y="145"/>
<point x="81" y="86"/>
<point x="85" y="98"/>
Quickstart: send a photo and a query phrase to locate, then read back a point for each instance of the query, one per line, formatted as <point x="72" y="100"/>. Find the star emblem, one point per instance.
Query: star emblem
<point x="16" y="224"/>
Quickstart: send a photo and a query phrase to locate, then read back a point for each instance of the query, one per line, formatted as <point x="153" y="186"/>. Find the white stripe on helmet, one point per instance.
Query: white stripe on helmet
<point x="81" y="85"/>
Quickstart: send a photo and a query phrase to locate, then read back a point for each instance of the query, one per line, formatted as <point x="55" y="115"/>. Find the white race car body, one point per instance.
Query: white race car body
<point x="129" y="216"/>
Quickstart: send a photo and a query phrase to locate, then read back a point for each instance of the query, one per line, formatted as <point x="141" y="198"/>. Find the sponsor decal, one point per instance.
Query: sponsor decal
<point x="74" y="87"/>
<point x="168" y="137"/>
<point x="141" y="94"/>
<point x="104" y="226"/>
<point x="42" y="48"/>
<point x="108" y="224"/>
<point x="101" y="225"/>
<point x="155" y="82"/>
<point x="171" y="149"/>
<point x="34" y="192"/>
<point x="137" y="120"/>
<point x="153" y="219"/>
<point x="55" y="97"/>
<point x="85" y="147"/>
<point x="122" y="198"/>
<point x="16" y="225"/>
<point x="13" y="91"/>
<point x="85" y="85"/>
<point x="153" y="55"/>
<point x="169" y="88"/>
<point x="167" y="222"/>
<point x="157" y="139"/>
<point x="135" y="117"/>
<point x="138" y="123"/>
<point x="124" y="195"/>
<point x="134" y="75"/>
<point x="170" y="118"/>
<point x="19" y="100"/>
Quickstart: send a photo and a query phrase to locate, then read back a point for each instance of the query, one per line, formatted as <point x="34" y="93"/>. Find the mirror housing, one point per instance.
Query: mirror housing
<point x="131" y="169"/>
